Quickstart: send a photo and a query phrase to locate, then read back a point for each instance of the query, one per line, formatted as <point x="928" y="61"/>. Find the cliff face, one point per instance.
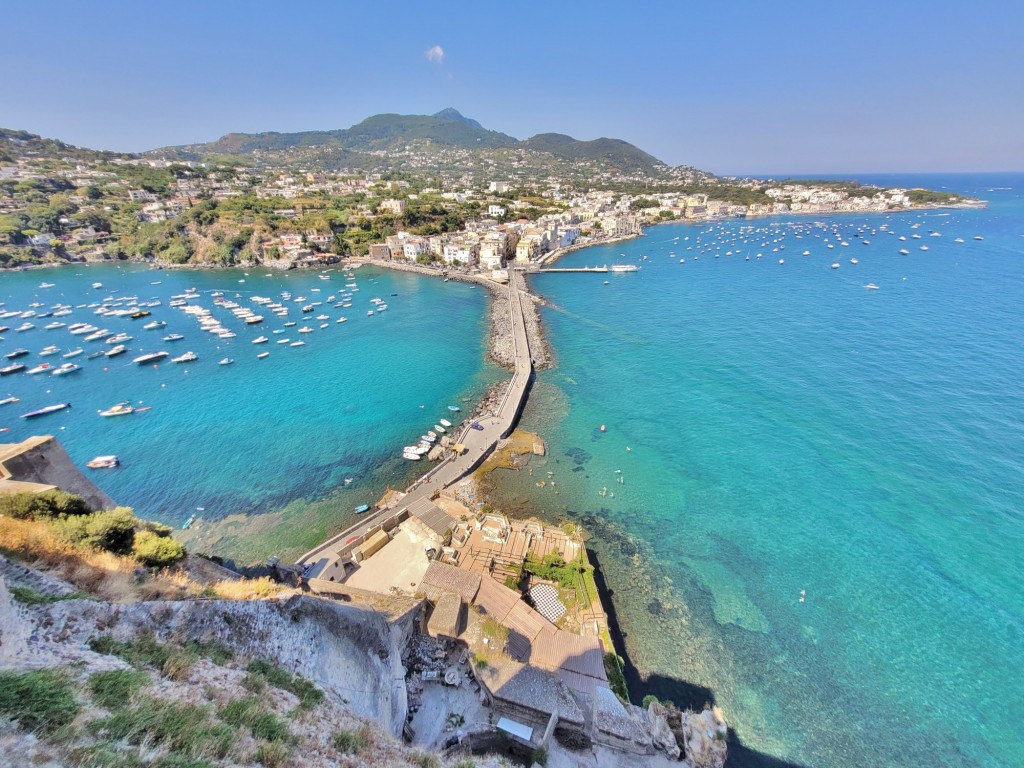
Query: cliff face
<point x="350" y="652"/>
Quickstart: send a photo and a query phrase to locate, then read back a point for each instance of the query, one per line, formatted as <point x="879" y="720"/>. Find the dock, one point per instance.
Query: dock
<point x="478" y="443"/>
<point x="545" y="270"/>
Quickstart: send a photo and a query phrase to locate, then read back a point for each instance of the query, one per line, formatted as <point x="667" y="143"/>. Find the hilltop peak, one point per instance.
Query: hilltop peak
<point x="450" y="113"/>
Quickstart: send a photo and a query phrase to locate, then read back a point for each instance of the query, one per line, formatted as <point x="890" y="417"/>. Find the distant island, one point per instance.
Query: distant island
<point x="425" y="188"/>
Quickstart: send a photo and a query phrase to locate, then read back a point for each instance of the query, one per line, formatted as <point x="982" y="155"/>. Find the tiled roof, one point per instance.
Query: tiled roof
<point x="441" y="577"/>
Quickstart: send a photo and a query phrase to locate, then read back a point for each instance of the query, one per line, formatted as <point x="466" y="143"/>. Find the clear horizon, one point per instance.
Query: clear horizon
<point x="740" y="90"/>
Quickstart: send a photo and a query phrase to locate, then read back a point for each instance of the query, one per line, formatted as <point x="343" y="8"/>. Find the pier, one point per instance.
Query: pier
<point x="478" y="443"/>
<point x="544" y="270"/>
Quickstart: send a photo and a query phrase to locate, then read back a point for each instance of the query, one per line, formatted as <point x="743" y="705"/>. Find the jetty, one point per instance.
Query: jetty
<point x="545" y="270"/>
<point x="478" y="444"/>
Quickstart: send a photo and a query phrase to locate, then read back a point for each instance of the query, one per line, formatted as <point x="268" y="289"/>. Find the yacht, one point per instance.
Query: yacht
<point x="121" y="409"/>
<point x="173" y="337"/>
<point x="260" y="340"/>
<point x="50" y="350"/>
<point x="66" y="369"/>
<point x="120" y="349"/>
<point x="188" y="357"/>
<point x="152" y="357"/>
<point x="102" y="462"/>
<point x="41" y="368"/>
<point x="74" y="352"/>
<point x="226" y="361"/>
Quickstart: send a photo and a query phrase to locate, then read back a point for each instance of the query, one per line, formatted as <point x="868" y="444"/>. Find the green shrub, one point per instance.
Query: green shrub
<point x="156" y="551"/>
<point x="308" y="694"/>
<point x="116" y="688"/>
<point x="616" y="680"/>
<point x="41" y="700"/>
<point x="29" y="596"/>
<point x="250" y="713"/>
<point x="353" y="742"/>
<point x="111" y="531"/>
<point x="42" y="506"/>
<point x="185" y="729"/>
<point x="540" y="756"/>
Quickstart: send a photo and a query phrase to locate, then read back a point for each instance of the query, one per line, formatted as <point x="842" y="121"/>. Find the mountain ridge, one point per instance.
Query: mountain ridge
<point x="446" y="129"/>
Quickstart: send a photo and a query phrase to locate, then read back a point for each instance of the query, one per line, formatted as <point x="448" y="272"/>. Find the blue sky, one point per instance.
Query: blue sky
<point x="731" y="87"/>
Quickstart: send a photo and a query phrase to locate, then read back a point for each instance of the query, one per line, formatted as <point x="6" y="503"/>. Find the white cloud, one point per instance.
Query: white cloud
<point x="435" y="54"/>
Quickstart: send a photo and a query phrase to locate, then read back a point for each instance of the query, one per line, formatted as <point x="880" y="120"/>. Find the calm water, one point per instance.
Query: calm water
<point x="781" y="431"/>
<point x="249" y="437"/>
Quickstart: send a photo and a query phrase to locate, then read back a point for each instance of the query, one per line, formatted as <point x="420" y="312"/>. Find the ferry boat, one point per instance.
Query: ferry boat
<point x="65" y="369"/>
<point x="623" y="268"/>
<point x="121" y="409"/>
<point x="46" y="410"/>
<point x="188" y="357"/>
<point x="102" y="462"/>
<point x="152" y="357"/>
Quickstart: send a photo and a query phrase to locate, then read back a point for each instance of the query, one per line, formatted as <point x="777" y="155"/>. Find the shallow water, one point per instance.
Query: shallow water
<point x="326" y="419"/>
<point x="781" y="432"/>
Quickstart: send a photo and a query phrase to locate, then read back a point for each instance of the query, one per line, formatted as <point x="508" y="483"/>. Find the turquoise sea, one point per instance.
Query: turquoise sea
<point x="330" y="417"/>
<point x="808" y="497"/>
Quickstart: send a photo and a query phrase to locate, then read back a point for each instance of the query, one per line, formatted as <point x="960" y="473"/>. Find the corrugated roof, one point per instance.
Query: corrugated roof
<point x="432" y="516"/>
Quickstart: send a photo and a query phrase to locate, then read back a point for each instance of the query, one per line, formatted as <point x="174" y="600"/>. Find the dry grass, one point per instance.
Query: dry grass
<point x="112" y="577"/>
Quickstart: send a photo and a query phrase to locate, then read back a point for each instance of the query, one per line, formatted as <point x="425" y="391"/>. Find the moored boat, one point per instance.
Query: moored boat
<point x="102" y="462"/>
<point x="444" y="422"/>
<point x="188" y="357"/>
<point x="152" y="357"/>
<point x="46" y="410"/>
<point x="121" y="409"/>
<point x="65" y="369"/>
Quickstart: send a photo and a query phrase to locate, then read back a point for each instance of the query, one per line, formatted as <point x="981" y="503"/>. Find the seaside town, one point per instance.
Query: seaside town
<point x="60" y="204"/>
